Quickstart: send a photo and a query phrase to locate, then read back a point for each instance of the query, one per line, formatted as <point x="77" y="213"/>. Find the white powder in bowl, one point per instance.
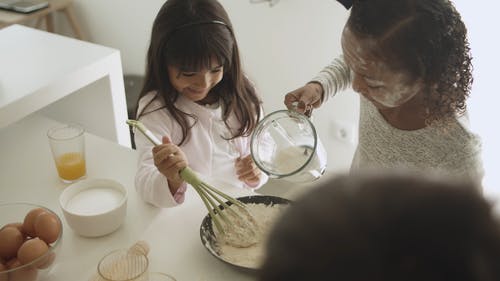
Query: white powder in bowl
<point x="251" y="257"/>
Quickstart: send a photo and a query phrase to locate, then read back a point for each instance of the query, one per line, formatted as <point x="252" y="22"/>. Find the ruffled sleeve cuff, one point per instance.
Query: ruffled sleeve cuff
<point x="180" y="194"/>
<point x="263" y="179"/>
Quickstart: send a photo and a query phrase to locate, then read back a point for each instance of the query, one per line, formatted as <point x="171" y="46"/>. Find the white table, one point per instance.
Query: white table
<point x="27" y="174"/>
<point x="69" y="79"/>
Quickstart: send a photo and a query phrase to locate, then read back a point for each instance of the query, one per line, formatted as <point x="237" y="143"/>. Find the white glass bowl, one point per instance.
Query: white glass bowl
<point x="39" y="267"/>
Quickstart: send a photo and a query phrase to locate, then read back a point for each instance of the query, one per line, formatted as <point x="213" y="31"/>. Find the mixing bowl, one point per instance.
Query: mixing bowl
<point x="13" y="215"/>
<point x="209" y="239"/>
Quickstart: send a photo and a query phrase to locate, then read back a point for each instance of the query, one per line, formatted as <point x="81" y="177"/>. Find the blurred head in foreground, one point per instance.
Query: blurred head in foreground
<point x="386" y="226"/>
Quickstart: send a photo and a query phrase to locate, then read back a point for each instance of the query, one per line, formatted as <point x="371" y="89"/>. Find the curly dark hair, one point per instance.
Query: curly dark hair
<point x="425" y="38"/>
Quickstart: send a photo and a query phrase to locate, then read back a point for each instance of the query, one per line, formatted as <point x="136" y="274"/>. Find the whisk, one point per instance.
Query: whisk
<point x="238" y="227"/>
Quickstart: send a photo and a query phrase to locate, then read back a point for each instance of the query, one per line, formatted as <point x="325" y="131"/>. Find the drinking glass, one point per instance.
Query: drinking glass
<point x="160" y="276"/>
<point x="68" y="150"/>
<point x="122" y="265"/>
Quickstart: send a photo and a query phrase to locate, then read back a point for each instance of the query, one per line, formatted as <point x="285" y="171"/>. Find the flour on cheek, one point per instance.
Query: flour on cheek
<point x="395" y="91"/>
<point x="377" y="81"/>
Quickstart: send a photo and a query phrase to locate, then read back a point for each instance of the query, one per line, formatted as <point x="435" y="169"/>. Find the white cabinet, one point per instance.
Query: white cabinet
<point x="64" y="78"/>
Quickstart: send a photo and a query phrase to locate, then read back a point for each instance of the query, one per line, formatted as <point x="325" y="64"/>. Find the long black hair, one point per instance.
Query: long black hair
<point x="188" y="34"/>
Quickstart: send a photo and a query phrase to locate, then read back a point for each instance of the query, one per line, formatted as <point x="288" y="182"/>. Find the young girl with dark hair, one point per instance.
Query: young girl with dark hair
<point x="197" y="99"/>
<point x="410" y="61"/>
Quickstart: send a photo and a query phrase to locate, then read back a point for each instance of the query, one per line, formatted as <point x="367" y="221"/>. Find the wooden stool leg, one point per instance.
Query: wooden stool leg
<point x="70" y="15"/>
<point x="49" y="23"/>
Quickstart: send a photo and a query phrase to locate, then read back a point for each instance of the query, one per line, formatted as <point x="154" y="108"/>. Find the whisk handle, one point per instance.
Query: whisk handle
<point x="190" y="176"/>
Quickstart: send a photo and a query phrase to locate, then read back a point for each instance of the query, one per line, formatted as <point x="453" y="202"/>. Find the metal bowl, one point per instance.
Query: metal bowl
<point x="207" y="233"/>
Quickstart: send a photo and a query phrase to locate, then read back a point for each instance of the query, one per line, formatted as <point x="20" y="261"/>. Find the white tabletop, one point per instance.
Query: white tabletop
<point x="27" y="174"/>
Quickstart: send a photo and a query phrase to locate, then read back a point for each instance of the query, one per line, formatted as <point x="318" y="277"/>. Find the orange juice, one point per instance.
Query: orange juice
<point x="71" y="166"/>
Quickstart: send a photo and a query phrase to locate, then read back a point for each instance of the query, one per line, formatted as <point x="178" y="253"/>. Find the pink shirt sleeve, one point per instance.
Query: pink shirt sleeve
<point x="180" y="194"/>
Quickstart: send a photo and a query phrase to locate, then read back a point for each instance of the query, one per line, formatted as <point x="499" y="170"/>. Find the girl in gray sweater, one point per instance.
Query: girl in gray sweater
<point x="410" y="62"/>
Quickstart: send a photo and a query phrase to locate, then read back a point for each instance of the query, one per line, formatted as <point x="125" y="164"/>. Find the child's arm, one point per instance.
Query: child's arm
<point x="248" y="172"/>
<point x="170" y="160"/>
<point x="151" y="185"/>
<point x="333" y="78"/>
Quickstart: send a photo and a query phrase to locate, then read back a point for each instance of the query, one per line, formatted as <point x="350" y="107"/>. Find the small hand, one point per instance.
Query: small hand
<point x="305" y="98"/>
<point x="169" y="159"/>
<point x="247" y="171"/>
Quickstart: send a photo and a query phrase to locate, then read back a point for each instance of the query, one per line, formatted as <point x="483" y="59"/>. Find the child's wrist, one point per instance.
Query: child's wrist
<point x="252" y="184"/>
<point x="318" y="88"/>
<point x="174" y="185"/>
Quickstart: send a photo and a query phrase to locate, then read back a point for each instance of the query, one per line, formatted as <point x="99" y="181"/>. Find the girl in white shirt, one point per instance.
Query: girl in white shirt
<point x="197" y="99"/>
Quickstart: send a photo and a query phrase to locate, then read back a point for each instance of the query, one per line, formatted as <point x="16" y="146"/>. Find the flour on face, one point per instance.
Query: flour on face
<point x="373" y="78"/>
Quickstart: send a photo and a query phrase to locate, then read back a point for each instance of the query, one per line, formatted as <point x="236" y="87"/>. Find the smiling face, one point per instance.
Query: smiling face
<point x="196" y="84"/>
<point x="372" y="77"/>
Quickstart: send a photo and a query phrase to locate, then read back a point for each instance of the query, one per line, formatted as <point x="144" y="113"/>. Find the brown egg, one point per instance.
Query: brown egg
<point x="24" y="274"/>
<point x="31" y="250"/>
<point x="29" y="221"/>
<point x="47" y="227"/>
<point x="12" y="263"/>
<point x="48" y="261"/>
<point x="18" y="225"/>
<point x="10" y="241"/>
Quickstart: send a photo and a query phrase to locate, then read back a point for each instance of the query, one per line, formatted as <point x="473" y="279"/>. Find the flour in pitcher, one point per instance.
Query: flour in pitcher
<point x="291" y="159"/>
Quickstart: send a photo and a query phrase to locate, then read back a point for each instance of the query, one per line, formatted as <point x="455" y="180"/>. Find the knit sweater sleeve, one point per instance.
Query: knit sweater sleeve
<point x="334" y="77"/>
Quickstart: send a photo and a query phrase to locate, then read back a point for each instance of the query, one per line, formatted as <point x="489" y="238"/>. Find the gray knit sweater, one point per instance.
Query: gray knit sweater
<point x="453" y="150"/>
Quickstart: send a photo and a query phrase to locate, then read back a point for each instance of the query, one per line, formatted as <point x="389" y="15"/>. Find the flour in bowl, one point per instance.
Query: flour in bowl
<point x="252" y="256"/>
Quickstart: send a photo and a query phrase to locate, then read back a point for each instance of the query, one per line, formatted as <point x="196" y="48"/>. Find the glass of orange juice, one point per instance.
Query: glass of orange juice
<point x="68" y="148"/>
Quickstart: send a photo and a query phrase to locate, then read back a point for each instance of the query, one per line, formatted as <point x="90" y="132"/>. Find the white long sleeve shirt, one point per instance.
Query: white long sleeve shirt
<point x="453" y="150"/>
<point x="207" y="152"/>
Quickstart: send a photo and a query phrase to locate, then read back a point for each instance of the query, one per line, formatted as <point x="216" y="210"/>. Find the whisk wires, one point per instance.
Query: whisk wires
<point x="210" y="196"/>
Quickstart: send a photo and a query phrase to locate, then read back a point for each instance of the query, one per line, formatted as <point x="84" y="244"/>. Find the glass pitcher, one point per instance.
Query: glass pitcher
<point x="285" y="145"/>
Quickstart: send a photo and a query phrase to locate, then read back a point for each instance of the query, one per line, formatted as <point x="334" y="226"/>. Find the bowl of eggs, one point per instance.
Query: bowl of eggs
<point x="30" y="238"/>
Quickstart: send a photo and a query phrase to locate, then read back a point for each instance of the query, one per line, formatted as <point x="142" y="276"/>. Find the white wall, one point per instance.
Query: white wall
<point x="282" y="48"/>
<point x="285" y="45"/>
<point x="482" y="20"/>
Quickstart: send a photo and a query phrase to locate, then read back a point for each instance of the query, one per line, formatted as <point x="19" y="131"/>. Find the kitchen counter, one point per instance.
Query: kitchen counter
<point x="28" y="174"/>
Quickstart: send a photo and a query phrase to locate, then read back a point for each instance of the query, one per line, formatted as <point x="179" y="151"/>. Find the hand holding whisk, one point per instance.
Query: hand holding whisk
<point x="236" y="224"/>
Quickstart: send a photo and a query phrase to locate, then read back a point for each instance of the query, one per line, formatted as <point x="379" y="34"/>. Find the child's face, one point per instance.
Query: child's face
<point x="195" y="85"/>
<point x="372" y="77"/>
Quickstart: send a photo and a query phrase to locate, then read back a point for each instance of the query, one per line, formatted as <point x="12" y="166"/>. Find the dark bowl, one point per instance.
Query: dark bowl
<point x="207" y="233"/>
